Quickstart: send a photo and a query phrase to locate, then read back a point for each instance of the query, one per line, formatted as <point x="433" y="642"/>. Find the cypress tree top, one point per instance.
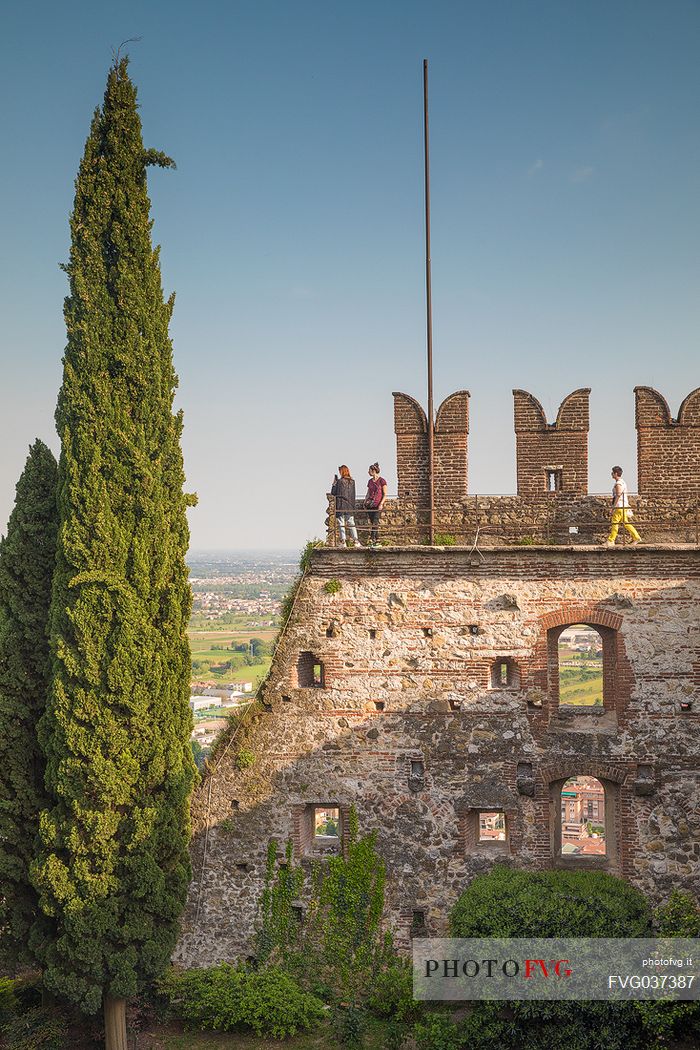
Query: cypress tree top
<point x="114" y="868"/>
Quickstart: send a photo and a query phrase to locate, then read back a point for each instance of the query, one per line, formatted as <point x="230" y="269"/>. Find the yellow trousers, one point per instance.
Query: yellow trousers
<point x="619" y="517"/>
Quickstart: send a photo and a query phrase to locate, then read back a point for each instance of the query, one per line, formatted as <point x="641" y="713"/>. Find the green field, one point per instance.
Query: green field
<point x="212" y="653"/>
<point x="582" y="687"/>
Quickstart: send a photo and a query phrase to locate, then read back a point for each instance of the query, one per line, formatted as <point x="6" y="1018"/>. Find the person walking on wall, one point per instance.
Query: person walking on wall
<point x="620" y="510"/>
<point x="343" y="489"/>
<point x="374" y="501"/>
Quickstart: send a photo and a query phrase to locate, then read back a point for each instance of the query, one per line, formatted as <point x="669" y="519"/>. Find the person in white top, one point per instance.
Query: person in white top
<point x="620" y="510"/>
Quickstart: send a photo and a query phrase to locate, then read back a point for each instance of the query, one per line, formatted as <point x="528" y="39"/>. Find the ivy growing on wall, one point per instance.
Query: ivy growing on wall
<point x="338" y="942"/>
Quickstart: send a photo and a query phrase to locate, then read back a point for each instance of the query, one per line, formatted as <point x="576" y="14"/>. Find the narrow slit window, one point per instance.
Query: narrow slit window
<point x="555" y="480"/>
<point x="505" y="675"/>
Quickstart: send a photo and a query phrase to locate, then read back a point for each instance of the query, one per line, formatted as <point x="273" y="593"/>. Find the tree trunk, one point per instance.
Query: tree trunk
<point x="115" y="1024"/>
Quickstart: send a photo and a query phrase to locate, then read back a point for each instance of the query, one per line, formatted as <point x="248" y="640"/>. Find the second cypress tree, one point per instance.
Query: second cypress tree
<point x="114" y="867"/>
<point x="27" y="555"/>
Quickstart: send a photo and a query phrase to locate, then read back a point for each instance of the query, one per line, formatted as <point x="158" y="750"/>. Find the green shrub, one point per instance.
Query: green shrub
<point x="245" y="758"/>
<point x="678" y="917"/>
<point x="274" y="1005"/>
<point x="392" y="993"/>
<point x="525" y="541"/>
<point x="332" y="586"/>
<point x="437" y="1032"/>
<point x="224" y="998"/>
<point x="541" y="1025"/>
<point x="8" y="1000"/>
<point x="665" y="1020"/>
<point x="35" y="1029"/>
<point x="512" y="903"/>
<point x="444" y="539"/>
<point x="207" y="998"/>
<point x="349" y="1026"/>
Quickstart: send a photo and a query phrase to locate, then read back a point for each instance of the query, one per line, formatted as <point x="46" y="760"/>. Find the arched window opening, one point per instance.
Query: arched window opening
<point x="580" y="667"/>
<point x="583" y="817"/>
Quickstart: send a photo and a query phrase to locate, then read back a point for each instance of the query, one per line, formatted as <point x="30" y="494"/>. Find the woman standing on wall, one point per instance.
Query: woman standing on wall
<point x="344" y="491"/>
<point x="374" y="501"/>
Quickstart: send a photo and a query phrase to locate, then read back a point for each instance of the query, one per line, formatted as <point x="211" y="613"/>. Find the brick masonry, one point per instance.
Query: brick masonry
<point x="559" y="448"/>
<point x="450" y="448"/>
<point x="668" y="450"/>
<point x="408" y="645"/>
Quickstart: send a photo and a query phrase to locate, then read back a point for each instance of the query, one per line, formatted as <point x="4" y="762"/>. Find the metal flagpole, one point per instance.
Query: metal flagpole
<point x="429" y="310"/>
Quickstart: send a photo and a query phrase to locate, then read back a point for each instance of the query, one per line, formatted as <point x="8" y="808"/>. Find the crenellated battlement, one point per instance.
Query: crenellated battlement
<point x="668" y="450"/>
<point x="552" y="503"/>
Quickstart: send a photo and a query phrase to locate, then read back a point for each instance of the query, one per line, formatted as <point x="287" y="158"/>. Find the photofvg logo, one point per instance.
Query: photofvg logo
<point x="556" y="968"/>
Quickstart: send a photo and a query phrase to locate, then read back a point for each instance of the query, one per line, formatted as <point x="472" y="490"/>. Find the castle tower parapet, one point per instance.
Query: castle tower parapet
<point x="451" y="448"/>
<point x="552" y="457"/>
<point x="668" y="450"/>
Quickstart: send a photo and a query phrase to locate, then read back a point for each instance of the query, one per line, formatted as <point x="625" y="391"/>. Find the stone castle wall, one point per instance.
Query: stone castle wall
<point x="407" y="647"/>
<point x="556" y="518"/>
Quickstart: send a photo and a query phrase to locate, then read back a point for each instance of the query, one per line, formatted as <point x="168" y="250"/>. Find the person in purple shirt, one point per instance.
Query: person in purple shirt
<point x="374" y="501"/>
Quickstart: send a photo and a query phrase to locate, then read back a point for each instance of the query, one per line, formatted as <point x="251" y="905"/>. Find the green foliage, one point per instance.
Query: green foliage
<point x="8" y="1000"/>
<point x="512" y="903"/>
<point x="437" y="1032"/>
<point x="274" y="1005"/>
<point x="525" y="541"/>
<point x="678" y="917"/>
<point x="225" y="998"/>
<point x="348" y="918"/>
<point x="279" y="936"/>
<point x="27" y="557"/>
<point x="391" y="994"/>
<point x="35" y="1029"/>
<point x="245" y="758"/>
<point x="339" y="945"/>
<point x="349" y="1025"/>
<point x="666" y="1020"/>
<point x="332" y="586"/>
<point x="306" y="554"/>
<point x="113" y="866"/>
<point x="444" y="539"/>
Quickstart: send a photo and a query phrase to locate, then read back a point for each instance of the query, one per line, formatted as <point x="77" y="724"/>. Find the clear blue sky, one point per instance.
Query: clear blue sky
<point x="565" y="143"/>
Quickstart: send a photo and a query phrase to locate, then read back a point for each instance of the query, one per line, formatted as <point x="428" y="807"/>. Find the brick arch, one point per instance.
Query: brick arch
<point x="612" y="776"/>
<point x="584" y="767"/>
<point x="591" y="615"/>
<point x="617" y="671"/>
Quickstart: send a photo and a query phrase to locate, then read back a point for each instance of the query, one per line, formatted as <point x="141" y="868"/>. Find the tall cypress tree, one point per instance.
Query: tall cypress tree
<point x="114" y="868"/>
<point x="27" y="556"/>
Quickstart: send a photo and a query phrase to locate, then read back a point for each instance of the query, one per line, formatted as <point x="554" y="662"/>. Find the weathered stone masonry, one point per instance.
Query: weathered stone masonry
<point x="407" y="645"/>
